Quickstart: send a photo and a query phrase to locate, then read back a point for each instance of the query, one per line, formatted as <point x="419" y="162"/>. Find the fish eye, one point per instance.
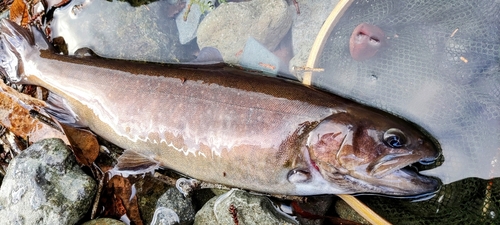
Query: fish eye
<point x="395" y="138"/>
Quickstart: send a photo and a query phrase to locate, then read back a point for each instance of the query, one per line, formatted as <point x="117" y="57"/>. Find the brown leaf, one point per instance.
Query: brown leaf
<point x="19" y="12"/>
<point x="117" y="200"/>
<point x="16" y="116"/>
<point x="84" y="144"/>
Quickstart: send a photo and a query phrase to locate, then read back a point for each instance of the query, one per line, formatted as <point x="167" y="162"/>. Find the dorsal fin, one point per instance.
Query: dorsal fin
<point x="85" y="53"/>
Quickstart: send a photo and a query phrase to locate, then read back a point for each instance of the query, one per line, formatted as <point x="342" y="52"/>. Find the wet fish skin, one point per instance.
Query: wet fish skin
<point x="226" y="126"/>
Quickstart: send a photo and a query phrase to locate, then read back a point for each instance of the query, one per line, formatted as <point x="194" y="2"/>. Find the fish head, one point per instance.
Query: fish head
<point x="372" y="152"/>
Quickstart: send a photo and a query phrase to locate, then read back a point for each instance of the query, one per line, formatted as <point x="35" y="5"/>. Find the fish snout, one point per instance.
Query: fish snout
<point x="429" y="151"/>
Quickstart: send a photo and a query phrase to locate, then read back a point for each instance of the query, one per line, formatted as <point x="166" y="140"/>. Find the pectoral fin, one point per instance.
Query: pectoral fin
<point x="59" y="109"/>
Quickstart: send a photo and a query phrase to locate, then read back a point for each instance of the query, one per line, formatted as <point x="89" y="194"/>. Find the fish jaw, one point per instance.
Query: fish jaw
<point x="404" y="183"/>
<point x="351" y="152"/>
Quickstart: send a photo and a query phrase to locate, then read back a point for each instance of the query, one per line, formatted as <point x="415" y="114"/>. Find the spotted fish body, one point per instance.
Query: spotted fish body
<point x="226" y="126"/>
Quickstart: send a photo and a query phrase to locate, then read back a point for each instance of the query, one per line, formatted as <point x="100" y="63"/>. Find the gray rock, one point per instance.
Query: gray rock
<point x="306" y="26"/>
<point x="243" y="207"/>
<point x="229" y="26"/>
<point x="165" y="216"/>
<point x="173" y="208"/>
<point x="45" y="185"/>
<point x="117" y="30"/>
<point x="187" y="29"/>
<point x="149" y="190"/>
<point x="257" y="57"/>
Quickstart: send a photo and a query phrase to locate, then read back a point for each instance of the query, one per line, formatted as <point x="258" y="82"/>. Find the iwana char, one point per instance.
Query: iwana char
<point x="226" y="126"/>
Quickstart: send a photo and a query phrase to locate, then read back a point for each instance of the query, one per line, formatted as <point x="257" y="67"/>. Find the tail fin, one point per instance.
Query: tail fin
<point x="15" y="43"/>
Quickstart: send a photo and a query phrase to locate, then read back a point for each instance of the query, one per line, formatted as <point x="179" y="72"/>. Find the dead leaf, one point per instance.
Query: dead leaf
<point x="15" y="115"/>
<point x="84" y="144"/>
<point x="19" y="12"/>
<point x="117" y="200"/>
<point x="19" y="114"/>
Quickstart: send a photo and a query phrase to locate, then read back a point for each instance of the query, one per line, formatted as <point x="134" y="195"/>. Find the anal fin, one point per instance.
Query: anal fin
<point x="131" y="162"/>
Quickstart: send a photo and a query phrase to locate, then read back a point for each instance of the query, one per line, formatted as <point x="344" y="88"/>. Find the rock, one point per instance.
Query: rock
<point x="165" y="216"/>
<point x="306" y="26"/>
<point x="167" y="206"/>
<point x="173" y="208"/>
<point x="187" y="28"/>
<point x="149" y="190"/>
<point x="257" y="57"/>
<point x="218" y="192"/>
<point x="104" y="221"/>
<point x="45" y="185"/>
<point x="240" y="206"/>
<point x="229" y="26"/>
<point x="117" y="30"/>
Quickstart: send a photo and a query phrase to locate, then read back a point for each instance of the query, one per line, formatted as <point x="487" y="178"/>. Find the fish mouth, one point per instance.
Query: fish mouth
<point x="388" y="164"/>
<point x="420" y="187"/>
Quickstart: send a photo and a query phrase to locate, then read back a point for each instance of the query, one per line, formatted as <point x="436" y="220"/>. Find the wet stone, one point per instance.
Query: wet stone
<point x="173" y="208"/>
<point x="149" y="190"/>
<point x="306" y="27"/>
<point x="187" y="28"/>
<point x="45" y="185"/>
<point x="254" y="54"/>
<point x="117" y="30"/>
<point x="229" y="26"/>
<point x="240" y="207"/>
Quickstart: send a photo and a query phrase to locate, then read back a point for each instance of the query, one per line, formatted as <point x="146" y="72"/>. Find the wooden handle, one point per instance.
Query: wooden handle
<point x="363" y="210"/>
<point x="322" y="36"/>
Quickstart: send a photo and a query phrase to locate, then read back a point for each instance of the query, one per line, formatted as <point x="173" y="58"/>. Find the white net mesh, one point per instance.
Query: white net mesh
<point x="440" y="68"/>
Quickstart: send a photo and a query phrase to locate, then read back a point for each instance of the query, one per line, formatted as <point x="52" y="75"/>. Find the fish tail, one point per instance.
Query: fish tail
<point x="16" y="43"/>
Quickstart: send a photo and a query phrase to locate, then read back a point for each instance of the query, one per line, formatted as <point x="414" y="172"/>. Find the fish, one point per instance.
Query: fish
<point x="225" y="125"/>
